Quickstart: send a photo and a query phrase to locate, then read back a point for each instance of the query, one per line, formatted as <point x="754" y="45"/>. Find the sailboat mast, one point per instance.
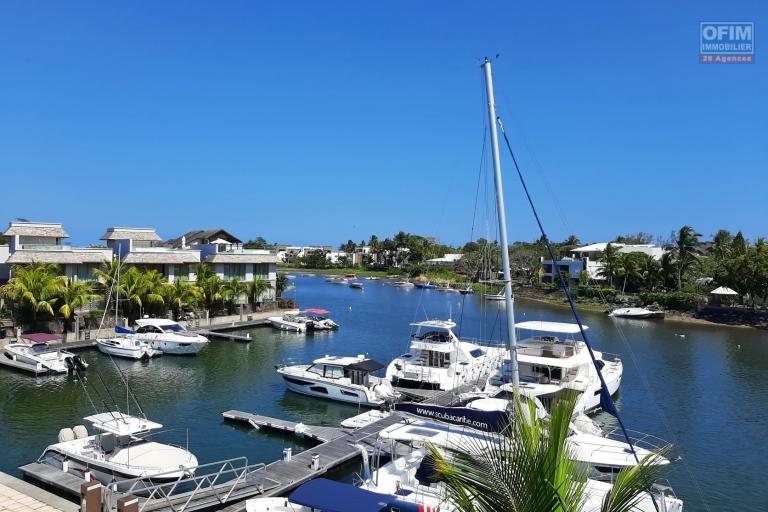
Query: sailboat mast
<point x="501" y="211"/>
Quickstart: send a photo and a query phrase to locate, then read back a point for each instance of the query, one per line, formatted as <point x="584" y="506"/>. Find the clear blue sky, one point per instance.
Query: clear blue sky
<point x="321" y="121"/>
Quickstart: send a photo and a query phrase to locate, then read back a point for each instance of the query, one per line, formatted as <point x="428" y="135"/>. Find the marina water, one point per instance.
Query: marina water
<point x="697" y="386"/>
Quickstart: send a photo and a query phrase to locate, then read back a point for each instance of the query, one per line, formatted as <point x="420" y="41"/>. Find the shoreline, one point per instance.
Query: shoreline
<point x="672" y="316"/>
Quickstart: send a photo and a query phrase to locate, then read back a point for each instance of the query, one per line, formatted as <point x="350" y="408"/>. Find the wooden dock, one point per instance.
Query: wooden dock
<point x="243" y="481"/>
<point x="316" y="433"/>
<point x="217" y="334"/>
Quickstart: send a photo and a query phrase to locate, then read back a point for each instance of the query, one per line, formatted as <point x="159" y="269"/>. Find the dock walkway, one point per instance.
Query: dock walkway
<point x="316" y="433"/>
<point x="20" y="496"/>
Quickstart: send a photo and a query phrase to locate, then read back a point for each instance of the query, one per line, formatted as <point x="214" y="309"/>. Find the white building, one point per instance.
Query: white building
<point x="449" y="260"/>
<point x="588" y="258"/>
<point x="32" y="242"/>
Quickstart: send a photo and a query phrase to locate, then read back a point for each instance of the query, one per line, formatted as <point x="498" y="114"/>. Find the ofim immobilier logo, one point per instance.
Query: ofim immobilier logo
<point x="727" y="42"/>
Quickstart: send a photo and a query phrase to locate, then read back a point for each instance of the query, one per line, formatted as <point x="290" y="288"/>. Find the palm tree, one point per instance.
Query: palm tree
<point x="685" y="251"/>
<point x="34" y="289"/>
<point x="530" y="469"/>
<point x="180" y="294"/>
<point x="140" y="290"/>
<point x="630" y="269"/>
<point x="106" y="274"/>
<point x="72" y="296"/>
<point x="257" y="288"/>
<point x="233" y="290"/>
<point x="213" y="292"/>
<point x="611" y="260"/>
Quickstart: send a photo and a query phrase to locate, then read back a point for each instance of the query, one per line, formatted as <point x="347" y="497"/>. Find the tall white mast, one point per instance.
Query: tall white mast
<point x="502" y="222"/>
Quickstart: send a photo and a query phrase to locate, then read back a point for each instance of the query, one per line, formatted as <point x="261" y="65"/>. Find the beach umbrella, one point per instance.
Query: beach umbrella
<point x="724" y="290"/>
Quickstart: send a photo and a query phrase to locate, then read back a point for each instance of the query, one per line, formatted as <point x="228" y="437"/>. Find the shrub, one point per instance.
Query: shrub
<point x="587" y="292"/>
<point x="680" y="300"/>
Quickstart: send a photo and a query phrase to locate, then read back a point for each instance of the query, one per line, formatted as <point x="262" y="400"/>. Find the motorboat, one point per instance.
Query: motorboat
<point x="467" y="291"/>
<point x="289" y="322"/>
<point x="169" y="336"/>
<point x="312" y="319"/>
<point x="39" y="358"/>
<point x="125" y="344"/>
<point x="641" y="313"/>
<point x="438" y="360"/>
<point x="356" y="284"/>
<point x="371" y="278"/>
<point x="404" y="284"/>
<point x="345" y="379"/>
<point x="496" y="297"/>
<point x="120" y="450"/>
<point x="425" y="285"/>
<point x="548" y="364"/>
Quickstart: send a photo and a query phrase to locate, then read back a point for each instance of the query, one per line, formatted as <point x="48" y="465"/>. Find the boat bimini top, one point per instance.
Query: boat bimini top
<point x="121" y="424"/>
<point x="552" y="327"/>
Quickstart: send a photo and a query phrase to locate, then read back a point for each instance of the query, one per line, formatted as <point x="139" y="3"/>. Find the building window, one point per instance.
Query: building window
<point x="234" y="270"/>
<point x="261" y="270"/>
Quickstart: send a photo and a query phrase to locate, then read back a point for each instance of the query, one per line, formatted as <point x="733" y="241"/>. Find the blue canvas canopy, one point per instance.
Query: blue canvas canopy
<point x="124" y="330"/>
<point x="329" y="496"/>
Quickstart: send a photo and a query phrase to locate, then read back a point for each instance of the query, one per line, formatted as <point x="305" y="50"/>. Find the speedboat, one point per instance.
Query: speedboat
<point x="289" y="322"/>
<point x="438" y="360"/>
<point x="548" y="364"/>
<point x="345" y="379"/>
<point x="356" y="284"/>
<point x="636" y="313"/>
<point x="169" y="336"/>
<point x="120" y="450"/>
<point x="317" y="319"/>
<point x="40" y="358"/>
<point x="127" y="345"/>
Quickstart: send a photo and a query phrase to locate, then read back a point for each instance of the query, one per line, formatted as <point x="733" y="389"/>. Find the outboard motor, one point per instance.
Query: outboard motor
<point x="79" y="363"/>
<point x="70" y="364"/>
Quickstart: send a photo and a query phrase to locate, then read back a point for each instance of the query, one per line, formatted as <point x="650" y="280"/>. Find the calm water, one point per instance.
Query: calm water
<point x="704" y="392"/>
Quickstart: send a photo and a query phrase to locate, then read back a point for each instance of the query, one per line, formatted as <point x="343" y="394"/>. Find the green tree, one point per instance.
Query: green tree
<point x="73" y="295"/>
<point x="257" y="288"/>
<point x="140" y="290"/>
<point x="686" y="252"/>
<point x="611" y="260"/>
<point x="34" y="289"/>
<point x="181" y="294"/>
<point x="530" y="469"/>
<point x="234" y="289"/>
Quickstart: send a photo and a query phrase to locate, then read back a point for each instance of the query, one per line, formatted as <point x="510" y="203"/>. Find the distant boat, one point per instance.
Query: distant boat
<point x="498" y="297"/>
<point x="356" y="285"/>
<point x="641" y="313"/>
<point x="404" y="284"/>
<point x="426" y="285"/>
<point x="467" y="291"/>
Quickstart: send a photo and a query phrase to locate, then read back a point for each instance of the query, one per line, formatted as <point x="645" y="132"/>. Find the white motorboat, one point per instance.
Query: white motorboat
<point x="640" y="313"/>
<point x="345" y="379"/>
<point x="356" y="285"/>
<point x="548" y="364"/>
<point x="404" y="284"/>
<point x="119" y="451"/>
<point x="495" y="297"/>
<point x="125" y="344"/>
<point x="289" y="322"/>
<point x="169" y="336"/>
<point x="40" y="358"/>
<point x="438" y="360"/>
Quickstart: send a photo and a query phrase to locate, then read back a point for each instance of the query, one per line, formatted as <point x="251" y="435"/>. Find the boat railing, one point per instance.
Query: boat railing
<point x="611" y="357"/>
<point x="219" y="479"/>
<point x="638" y="439"/>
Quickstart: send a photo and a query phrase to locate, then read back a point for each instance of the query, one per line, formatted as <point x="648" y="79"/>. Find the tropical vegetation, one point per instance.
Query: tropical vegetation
<point x="530" y="468"/>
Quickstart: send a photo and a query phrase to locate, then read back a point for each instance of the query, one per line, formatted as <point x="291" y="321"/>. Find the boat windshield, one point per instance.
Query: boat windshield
<point x="173" y="328"/>
<point x="39" y="348"/>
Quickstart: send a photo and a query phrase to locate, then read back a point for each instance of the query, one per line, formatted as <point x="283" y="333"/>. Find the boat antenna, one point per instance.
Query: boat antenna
<point x="502" y="214"/>
<point x="606" y="402"/>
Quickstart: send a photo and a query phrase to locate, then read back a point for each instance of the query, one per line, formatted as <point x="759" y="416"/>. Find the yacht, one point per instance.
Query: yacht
<point x="438" y="360"/>
<point x="120" y="450"/>
<point x="345" y="379"/>
<point x="169" y="336"/>
<point x="636" y="313"/>
<point x="125" y="344"/>
<point x="40" y="358"/>
<point x="548" y="364"/>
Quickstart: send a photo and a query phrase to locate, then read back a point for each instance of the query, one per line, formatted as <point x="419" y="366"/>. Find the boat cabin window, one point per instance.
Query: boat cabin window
<point x="328" y="371"/>
<point x="148" y="329"/>
<point x="435" y="359"/>
<point x="357" y="377"/>
<point x="173" y="328"/>
<point x="437" y="336"/>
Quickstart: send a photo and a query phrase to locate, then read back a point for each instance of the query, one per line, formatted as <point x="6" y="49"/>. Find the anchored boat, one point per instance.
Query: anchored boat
<point x="169" y="336"/>
<point x="39" y="358"/>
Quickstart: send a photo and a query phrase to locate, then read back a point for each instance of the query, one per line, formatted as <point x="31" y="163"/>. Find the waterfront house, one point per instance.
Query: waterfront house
<point x="143" y="247"/>
<point x="588" y="258"/>
<point x="31" y="242"/>
<point x="449" y="260"/>
<point x="227" y="258"/>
